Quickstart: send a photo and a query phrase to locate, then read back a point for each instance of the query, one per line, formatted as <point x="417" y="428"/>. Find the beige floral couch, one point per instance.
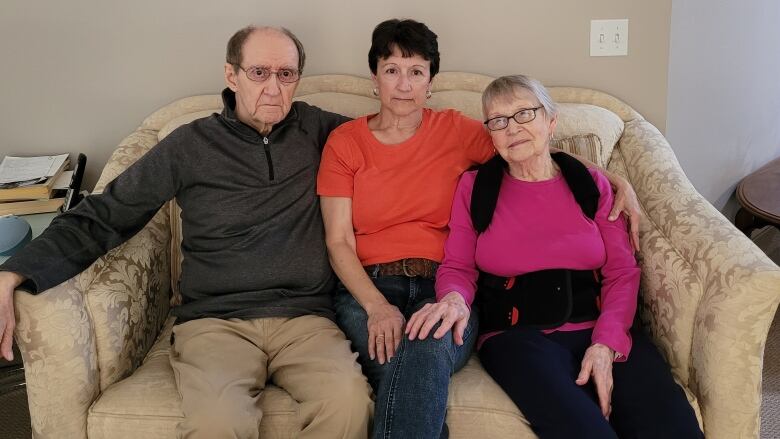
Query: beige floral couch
<point x="95" y="348"/>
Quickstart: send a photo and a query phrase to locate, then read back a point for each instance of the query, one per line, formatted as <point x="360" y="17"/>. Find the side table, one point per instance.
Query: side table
<point x="759" y="197"/>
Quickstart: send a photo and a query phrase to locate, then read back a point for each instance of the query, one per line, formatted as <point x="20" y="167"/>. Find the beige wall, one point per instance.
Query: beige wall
<point x="80" y="75"/>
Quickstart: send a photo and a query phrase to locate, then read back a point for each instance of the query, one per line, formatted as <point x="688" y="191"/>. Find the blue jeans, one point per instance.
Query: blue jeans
<point x="411" y="389"/>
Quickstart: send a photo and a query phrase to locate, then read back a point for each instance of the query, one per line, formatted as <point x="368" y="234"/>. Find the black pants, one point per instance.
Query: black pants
<point x="537" y="371"/>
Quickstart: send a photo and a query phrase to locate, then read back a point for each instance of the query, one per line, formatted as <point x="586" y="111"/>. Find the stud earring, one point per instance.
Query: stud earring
<point x="428" y="94"/>
<point x="375" y="91"/>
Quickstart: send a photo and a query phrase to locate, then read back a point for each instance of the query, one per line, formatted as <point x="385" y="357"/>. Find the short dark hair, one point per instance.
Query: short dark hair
<point x="235" y="46"/>
<point x="409" y="36"/>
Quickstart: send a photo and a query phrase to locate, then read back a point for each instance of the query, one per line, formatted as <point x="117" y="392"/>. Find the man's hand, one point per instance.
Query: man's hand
<point x="451" y="311"/>
<point x="627" y="202"/>
<point x="8" y="283"/>
<point x="385" y="325"/>
<point x="597" y="363"/>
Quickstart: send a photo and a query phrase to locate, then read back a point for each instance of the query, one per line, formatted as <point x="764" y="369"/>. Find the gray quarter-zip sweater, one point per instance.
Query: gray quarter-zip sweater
<point x="253" y="240"/>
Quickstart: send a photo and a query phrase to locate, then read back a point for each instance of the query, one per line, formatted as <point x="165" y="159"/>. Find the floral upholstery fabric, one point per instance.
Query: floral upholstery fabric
<point x="709" y="294"/>
<point x="96" y="347"/>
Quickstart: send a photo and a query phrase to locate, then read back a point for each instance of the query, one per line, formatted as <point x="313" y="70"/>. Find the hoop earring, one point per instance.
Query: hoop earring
<point x="428" y="94"/>
<point x="375" y="91"/>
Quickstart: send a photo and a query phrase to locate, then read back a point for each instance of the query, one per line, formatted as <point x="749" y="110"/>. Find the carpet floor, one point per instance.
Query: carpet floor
<point x="14" y="417"/>
<point x="770" y="404"/>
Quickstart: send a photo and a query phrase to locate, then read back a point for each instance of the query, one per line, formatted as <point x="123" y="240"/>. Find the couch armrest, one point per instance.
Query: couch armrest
<point x="128" y="298"/>
<point x="129" y="150"/>
<point x="83" y="335"/>
<point x="708" y="292"/>
<point x="55" y="336"/>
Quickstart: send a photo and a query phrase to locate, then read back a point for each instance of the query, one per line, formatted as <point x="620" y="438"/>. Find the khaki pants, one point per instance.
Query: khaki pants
<point x="221" y="367"/>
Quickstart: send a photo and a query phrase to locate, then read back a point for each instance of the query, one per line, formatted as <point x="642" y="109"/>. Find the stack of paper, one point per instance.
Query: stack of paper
<point x="27" y="184"/>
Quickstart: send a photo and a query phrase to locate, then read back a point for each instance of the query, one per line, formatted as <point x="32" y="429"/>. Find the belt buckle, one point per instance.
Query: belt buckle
<point x="403" y="268"/>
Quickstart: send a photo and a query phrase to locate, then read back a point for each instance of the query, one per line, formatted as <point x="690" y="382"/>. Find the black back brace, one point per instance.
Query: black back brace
<point x="540" y="299"/>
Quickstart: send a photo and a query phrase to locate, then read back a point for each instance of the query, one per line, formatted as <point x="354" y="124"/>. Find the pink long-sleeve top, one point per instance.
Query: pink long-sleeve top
<point x="537" y="226"/>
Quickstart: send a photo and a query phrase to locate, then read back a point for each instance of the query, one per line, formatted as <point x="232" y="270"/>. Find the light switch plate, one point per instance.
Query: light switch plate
<point x="609" y="37"/>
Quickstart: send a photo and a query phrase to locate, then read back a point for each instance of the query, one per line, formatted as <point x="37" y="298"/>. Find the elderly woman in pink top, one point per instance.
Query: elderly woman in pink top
<point x="555" y="283"/>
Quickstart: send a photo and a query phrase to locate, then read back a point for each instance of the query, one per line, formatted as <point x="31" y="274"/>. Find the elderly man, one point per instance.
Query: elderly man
<point x="255" y="277"/>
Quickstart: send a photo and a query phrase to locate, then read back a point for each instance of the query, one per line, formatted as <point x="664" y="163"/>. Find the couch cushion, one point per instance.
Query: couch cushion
<point x="582" y="119"/>
<point x="587" y="146"/>
<point x="346" y="104"/>
<point x="477" y="407"/>
<point x="184" y="119"/>
<point x="467" y="102"/>
<point x="342" y="103"/>
<point x="148" y="405"/>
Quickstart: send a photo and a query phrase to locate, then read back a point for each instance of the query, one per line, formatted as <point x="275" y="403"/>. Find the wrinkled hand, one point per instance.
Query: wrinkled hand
<point x="627" y="202"/>
<point x="451" y="310"/>
<point x="8" y="283"/>
<point x="385" y="323"/>
<point x="597" y="363"/>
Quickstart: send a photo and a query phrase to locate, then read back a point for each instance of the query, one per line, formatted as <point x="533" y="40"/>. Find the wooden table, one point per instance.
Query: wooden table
<point x="759" y="196"/>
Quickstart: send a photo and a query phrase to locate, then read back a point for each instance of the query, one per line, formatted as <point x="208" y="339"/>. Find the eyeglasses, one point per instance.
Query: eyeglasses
<point x="261" y="74"/>
<point x="525" y="115"/>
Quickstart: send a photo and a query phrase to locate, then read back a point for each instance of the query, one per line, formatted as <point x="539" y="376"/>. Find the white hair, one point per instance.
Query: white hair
<point x="507" y="86"/>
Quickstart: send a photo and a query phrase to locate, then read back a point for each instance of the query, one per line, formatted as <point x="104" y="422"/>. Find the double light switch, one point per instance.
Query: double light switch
<point x="609" y="37"/>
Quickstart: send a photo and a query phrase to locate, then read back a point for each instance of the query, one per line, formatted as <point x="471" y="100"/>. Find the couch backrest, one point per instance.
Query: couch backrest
<point x="590" y="123"/>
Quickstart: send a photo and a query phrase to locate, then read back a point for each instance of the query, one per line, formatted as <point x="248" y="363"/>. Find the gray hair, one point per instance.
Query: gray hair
<point x="507" y="86"/>
<point x="234" y="53"/>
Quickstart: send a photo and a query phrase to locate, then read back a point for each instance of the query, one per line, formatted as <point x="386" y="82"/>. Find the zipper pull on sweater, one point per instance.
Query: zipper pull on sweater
<point x="267" y="149"/>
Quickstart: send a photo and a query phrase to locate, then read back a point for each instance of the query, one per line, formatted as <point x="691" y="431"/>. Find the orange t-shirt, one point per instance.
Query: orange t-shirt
<point x="402" y="194"/>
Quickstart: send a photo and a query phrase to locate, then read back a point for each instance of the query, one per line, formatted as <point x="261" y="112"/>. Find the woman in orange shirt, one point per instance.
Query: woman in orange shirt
<point x="386" y="183"/>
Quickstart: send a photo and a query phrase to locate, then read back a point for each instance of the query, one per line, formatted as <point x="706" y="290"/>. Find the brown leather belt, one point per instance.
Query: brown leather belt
<point x="409" y="267"/>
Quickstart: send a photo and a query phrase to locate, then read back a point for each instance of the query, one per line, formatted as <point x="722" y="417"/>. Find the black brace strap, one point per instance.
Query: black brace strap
<point x="487" y="186"/>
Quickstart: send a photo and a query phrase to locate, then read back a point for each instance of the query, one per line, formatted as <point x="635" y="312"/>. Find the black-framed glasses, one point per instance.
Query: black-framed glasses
<point x="261" y="74"/>
<point x="524" y="115"/>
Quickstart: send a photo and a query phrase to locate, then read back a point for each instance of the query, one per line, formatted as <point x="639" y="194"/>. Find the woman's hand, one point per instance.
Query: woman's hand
<point x="451" y="310"/>
<point x="627" y="202"/>
<point x="385" y="324"/>
<point x="597" y="363"/>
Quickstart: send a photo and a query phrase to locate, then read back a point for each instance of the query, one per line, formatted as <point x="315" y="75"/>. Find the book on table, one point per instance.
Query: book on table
<point x="19" y="181"/>
<point x="29" y="207"/>
<point x="33" y="184"/>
